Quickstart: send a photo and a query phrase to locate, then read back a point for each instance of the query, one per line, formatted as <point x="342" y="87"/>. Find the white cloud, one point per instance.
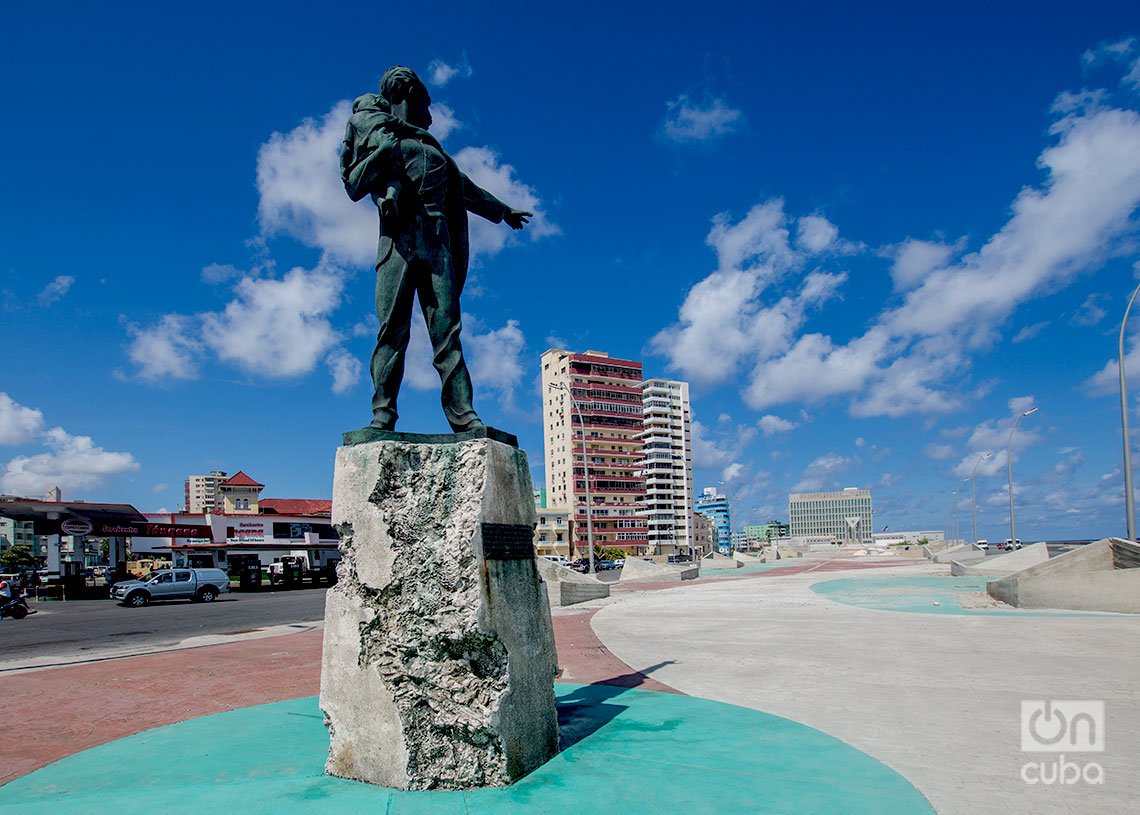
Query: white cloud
<point x="822" y="473"/>
<point x="482" y="165"/>
<point x="1071" y="223"/>
<point x="219" y="273"/>
<point x="418" y="370"/>
<point x="814" y="368"/>
<point x="689" y="121"/>
<point x="167" y="350"/>
<point x="1106" y="381"/>
<point x="439" y="73"/>
<point x="987" y="465"/>
<point x="495" y="359"/>
<point x="1108" y="51"/>
<point x="1088" y="313"/>
<point x="915" y="259"/>
<point x="732" y="472"/>
<point x="160" y="487"/>
<point x="939" y="452"/>
<point x="277" y="328"/>
<point x="1030" y="331"/>
<point x="55" y="290"/>
<point x="714" y="449"/>
<point x="345" y="370"/>
<point x="18" y="424"/>
<point x="771" y="425"/>
<point x="71" y="463"/>
<point x="724" y="320"/>
<point x="443" y="121"/>
<point x="301" y="194"/>
<point x="816" y="233"/>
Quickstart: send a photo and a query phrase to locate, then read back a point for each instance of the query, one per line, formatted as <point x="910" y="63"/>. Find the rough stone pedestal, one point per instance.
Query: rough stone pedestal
<point x="439" y="659"/>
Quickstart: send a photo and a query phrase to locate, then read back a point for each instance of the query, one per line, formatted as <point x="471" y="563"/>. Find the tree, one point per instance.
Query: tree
<point x="18" y="555"/>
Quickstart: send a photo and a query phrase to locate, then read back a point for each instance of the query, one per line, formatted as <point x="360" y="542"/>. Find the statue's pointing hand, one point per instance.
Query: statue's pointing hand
<point x="517" y="218"/>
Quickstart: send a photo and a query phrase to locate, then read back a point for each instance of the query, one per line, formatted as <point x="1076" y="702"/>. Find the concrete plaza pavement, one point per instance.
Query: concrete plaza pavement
<point x="937" y="697"/>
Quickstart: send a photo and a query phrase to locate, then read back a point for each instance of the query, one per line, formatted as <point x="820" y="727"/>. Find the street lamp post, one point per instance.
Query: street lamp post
<point x="1129" y="497"/>
<point x="952" y="516"/>
<point x="1009" y="469"/>
<point x="585" y="467"/>
<point x="974" y="496"/>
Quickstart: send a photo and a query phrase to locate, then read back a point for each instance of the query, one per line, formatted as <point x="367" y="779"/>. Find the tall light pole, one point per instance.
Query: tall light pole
<point x="951" y="516"/>
<point x="1009" y="468"/>
<point x="1129" y="497"/>
<point x="974" y="495"/>
<point x="585" y="466"/>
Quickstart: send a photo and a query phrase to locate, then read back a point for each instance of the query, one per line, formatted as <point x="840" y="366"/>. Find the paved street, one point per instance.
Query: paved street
<point x="86" y="629"/>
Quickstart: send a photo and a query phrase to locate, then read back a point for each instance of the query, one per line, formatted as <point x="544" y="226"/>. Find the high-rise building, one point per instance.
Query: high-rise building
<point x="836" y="517"/>
<point x="607" y="407"/>
<point x="716" y="508"/>
<point x="202" y="492"/>
<point x="668" y="465"/>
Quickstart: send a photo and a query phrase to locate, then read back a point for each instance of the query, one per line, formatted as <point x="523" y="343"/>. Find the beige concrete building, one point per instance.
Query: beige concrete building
<point x="843" y="516"/>
<point x="202" y="492"/>
<point x="666" y="417"/>
<point x="552" y="532"/>
<point x="239" y="494"/>
<point x="704" y="534"/>
<point x="599" y="429"/>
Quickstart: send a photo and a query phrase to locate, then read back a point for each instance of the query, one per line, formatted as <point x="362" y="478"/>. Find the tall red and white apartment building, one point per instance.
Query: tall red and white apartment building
<point x="608" y="394"/>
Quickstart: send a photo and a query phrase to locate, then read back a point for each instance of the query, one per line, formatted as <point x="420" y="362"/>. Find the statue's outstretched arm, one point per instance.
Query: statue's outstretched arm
<point x="480" y="202"/>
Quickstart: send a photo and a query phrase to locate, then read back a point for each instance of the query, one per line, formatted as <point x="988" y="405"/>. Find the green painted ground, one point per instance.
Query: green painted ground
<point x="629" y="752"/>
<point x="924" y="595"/>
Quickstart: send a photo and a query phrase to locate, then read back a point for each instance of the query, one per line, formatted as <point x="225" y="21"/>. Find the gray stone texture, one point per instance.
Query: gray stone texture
<point x="438" y="663"/>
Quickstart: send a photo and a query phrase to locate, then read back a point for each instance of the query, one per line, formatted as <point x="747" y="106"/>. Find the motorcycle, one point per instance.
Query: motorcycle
<point x="16" y="608"/>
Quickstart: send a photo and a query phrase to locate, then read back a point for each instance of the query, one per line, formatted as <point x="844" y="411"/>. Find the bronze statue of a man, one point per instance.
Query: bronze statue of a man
<point x="422" y="199"/>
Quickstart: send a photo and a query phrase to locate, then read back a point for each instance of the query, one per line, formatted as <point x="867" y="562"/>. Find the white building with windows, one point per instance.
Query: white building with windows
<point x="202" y="492"/>
<point x="666" y="417"/>
<point x="844" y="516"/>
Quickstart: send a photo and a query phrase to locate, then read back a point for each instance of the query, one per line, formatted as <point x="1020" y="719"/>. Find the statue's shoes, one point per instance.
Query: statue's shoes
<point x="474" y="424"/>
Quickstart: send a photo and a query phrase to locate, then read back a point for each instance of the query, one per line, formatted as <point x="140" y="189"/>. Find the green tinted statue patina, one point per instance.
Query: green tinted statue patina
<point x="422" y="199"/>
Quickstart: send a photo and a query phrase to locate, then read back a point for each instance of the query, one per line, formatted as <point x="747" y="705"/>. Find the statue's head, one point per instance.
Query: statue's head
<point x="407" y="95"/>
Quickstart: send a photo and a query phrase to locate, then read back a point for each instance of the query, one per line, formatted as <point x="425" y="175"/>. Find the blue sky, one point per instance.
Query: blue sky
<point x="868" y="236"/>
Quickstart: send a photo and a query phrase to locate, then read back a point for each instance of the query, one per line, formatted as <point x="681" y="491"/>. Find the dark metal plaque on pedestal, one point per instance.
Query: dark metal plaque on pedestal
<point x="508" y="542"/>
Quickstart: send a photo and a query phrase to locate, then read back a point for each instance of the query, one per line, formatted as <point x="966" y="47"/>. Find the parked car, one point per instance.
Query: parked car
<point x="202" y="585"/>
<point x="559" y="559"/>
<point x="604" y="565"/>
<point x="982" y="545"/>
<point x="619" y="563"/>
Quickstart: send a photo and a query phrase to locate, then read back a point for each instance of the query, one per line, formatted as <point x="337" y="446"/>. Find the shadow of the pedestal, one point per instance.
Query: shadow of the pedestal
<point x="589" y="708"/>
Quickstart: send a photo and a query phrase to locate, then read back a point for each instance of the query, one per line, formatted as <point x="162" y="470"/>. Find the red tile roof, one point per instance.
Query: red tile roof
<point x="295" y="506"/>
<point x="240" y="479"/>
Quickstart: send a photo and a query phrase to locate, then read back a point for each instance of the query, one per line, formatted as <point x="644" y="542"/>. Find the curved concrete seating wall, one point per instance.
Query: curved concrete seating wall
<point x="565" y="587"/>
<point x="963" y="553"/>
<point x="716" y="561"/>
<point x="1085" y="579"/>
<point x="637" y="569"/>
<point x="1003" y="564"/>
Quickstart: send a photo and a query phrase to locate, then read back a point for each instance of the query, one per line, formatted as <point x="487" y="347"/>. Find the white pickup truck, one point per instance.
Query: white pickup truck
<point x="203" y="585"/>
